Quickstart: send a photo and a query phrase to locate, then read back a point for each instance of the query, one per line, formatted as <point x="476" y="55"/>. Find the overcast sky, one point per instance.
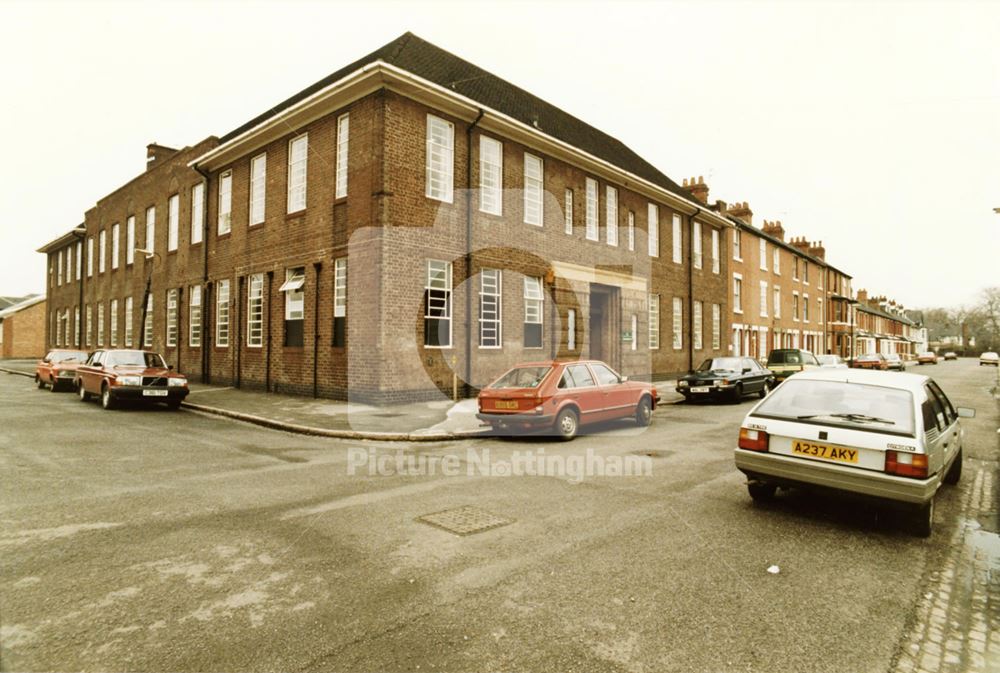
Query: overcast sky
<point x="874" y="127"/>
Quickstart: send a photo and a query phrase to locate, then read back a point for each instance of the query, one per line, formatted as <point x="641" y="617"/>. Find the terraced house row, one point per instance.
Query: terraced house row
<point x="409" y="224"/>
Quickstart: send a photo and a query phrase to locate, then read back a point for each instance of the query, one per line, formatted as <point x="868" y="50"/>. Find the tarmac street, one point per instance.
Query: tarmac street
<point x="145" y="539"/>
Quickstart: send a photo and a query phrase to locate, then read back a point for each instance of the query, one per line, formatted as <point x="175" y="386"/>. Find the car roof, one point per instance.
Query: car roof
<point x="901" y="380"/>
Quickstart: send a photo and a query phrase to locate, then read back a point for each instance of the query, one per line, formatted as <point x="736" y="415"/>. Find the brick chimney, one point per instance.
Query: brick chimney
<point x="817" y="250"/>
<point x="157" y="153"/>
<point x="697" y="188"/>
<point x="774" y="229"/>
<point x="742" y="212"/>
<point x="862" y="296"/>
<point x="800" y="243"/>
<point x="720" y="206"/>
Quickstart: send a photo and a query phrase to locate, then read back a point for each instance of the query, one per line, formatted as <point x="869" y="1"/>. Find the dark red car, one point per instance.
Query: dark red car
<point x="116" y="375"/>
<point x="870" y="361"/>
<point x="58" y="368"/>
<point x="560" y="397"/>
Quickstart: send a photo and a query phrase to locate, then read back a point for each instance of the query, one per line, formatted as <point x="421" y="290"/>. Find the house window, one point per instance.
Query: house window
<point x="696" y="337"/>
<point x="222" y="314"/>
<point x="805" y="308"/>
<point x="59" y="268"/>
<point x="90" y="320"/>
<point x="795" y="268"/>
<point x="716" y="262"/>
<point x="437" y="305"/>
<point x="194" y="316"/>
<point x="114" y="323"/>
<point x="225" y="203"/>
<point x="635" y="331"/>
<point x="171" y="318"/>
<point x="197" y="212"/>
<point x="805" y="271"/>
<point x="440" y="159"/>
<point x="255" y="311"/>
<point x="102" y="251"/>
<point x="490" y="176"/>
<point x="631" y="231"/>
<point x="737" y="293"/>
<point x="776" y="260"/>
<point x="298" y="155"/>
<point x="795" y="306"/>
<point x="819" y="310"/>
<point x="150" y="229"/>
<point x="128" y="322"/>
<point x="173" y="221"/>
<point x="490" y="308"/>
<point x="147" y="341"/>
<point x="716" y="327"/>
<point x="696" y="235"/>
<point x="611" y="214"/>
<point x="343" y="134"/>
<point x="258" y="188"/>
<point x="340" y="302"/>
<point x="295" y="300"/>
<point x="115" y="245"/>
<point x="653" y="229"/>
<point x="571" y="329"/>
<point x="592" y="204"/>
<point x="676" y="234"/>
<point x="737" y="245"/>
<point x="79" y="262"/>
<point x="129" y="242"/>
<point x="76" y="326"/>
<point x="763" y="255"/>
<point x="568" y="211"/>
<point x="678" y="317"/>
<point x="777" y="302"/>
<point x="534" y="301"/>
<point x="533" y="185"/>
<point x="100" y="324"/>
<point x="763" y="299"/>
<point x="654" y="321"/>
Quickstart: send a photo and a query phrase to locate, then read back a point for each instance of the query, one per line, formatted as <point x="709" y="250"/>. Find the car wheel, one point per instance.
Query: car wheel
<point x="82" y="392"/>
<point x="955" y="472"/>
<point x="174" y="405"/>
<point x="643" y="413"/>
<point x="737" y="393"/>
<point x="766" y="390"/>
<point x="567" y="424"/>
<point x="761" y="491"/>
<point x="39" y="382"/>
<point x="923" y="519"/>
<point x="54" y="386"/>
<point x="107" y="400"/>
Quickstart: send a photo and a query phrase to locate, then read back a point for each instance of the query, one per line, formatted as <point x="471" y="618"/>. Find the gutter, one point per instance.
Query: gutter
<point x="467" y="392"/>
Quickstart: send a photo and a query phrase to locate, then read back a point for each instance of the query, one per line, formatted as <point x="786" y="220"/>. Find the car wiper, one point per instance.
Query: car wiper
<point x="857" y="418"/>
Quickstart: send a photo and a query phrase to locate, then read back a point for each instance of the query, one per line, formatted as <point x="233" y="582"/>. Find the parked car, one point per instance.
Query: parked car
<point x="783" y="362"/>
<point x="927" y="358"/>
<point x="830" y="361"/>
<point x="729" y="377"/>
<point x="117" y="375"/>
<point x="950" y="355"/>
<point x="870" y="361"/>
<point x="989" y="358"/>
<point x="560" y="397"/>
<point x="894" y="361"/>
<point x="58" y="368"/>
<point x="890" y="437"/>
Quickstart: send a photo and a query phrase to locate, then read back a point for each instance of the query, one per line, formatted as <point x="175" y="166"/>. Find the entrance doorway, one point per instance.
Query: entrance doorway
<point x="603" y="323"/>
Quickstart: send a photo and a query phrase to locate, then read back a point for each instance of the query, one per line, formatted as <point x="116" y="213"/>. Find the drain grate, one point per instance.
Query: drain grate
<point x="465" y="520"/>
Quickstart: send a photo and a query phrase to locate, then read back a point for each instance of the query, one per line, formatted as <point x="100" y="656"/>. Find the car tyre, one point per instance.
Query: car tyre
<point x="955" y="471"/>
<point x="737" y="394"/>
<point x="82" y="392"/>
<point x="567" y="424"/>
<point x="39" y="382"/>
<point x="54" y="387"/>
<point x="107" y="399"/>
<point x="761" y="491"/>
<point x="766" y="390"/>
<point x="923" y="519"/>
<point x="174" y="405"/>
<point x="643" y="412"/>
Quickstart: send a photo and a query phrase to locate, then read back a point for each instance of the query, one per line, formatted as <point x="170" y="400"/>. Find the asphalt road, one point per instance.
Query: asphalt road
<point x="157" y="540"/>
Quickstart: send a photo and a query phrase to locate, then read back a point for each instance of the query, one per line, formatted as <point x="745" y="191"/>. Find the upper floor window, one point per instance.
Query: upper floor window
<point x="653" y="229"/>
<point x="763" y="255"/>
<point x="115" y="245"/>
<point x="90" y="256"/>
<point x="677" y="239"/>
<point x="225" y="203"/>
<point x="568" y="211"/>
<point x="592" y="233"/>
<point x="129" y="240"/>
<point x="173" y="221"/>
<point x="102" y="251"/>
<point x="343" y="134"/>
<point x="631" y="230"/>
<point x="298" y="155"/>
<point x="197" y="212"/>
<point x="805" y="271"/>
<point x="440" y="159"/>
<point x="258" y="187"/>
<point x="59" y="268"/>
<point x="737" y="245"/>
<point x="795" y="268"/>
<point x="696" y="243"/>
<point x="533" y="189"/>
<point x="611" y="221"/>
<point x="150" y="241"/>
<point x="716" y="261"/>
<point x="737" y="293"/>
<point x="776" y="262"/>
<point x="763" y="299"/>
<point x="79" y="261"/>
<point x="490" y="176"/>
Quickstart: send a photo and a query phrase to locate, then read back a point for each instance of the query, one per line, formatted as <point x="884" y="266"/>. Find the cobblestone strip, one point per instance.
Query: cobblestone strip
<point x="956" y="627"/>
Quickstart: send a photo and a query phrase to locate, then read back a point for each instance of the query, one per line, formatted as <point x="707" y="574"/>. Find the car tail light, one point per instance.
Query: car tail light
<point x="906" y="464"/>
<point x="753" y="440"/>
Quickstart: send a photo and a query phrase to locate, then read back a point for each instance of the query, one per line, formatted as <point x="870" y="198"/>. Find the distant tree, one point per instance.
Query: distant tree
<point x="989" y="312"/>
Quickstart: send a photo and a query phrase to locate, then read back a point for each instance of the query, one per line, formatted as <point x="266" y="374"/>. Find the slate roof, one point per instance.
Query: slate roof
<point x="419" y="57"/>
<point x="885" y="314"/>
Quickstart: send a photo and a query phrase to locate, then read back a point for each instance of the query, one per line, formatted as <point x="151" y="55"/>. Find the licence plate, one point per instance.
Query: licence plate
<point x="501" y="404"/>
<point x="700" y="389"/>
<point x="824" y="451"/>
<point x="154" y="393"/>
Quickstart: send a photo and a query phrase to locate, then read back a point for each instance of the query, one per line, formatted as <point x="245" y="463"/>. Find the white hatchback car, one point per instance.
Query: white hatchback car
<point x="891" y="437"/>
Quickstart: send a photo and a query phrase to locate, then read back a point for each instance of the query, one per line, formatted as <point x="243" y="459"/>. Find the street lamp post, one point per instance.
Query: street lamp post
<point x="149" y="254"/>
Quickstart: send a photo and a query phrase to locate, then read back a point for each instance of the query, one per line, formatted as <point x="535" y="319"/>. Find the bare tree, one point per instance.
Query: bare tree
<point x="989" y="310"/>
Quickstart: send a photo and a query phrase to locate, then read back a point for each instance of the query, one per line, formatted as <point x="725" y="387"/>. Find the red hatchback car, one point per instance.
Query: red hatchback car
<point x="143" y="376"/>
<point x="58" y="368"/>
<point x="870" y="361"/>
<point x="560" y="397"/>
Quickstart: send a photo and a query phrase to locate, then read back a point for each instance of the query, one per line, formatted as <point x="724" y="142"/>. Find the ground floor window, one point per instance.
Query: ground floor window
<point x="172" y="318"/>
<point x="678" y="317"/>
<point x="534" y="301"/>
<point x="696" y="336"/>
<point x="114" y="323"/>
<point x="255" y="311"/>
<point x="571" y="329"/>
<point x="716" y="327"/>
<point x="490" y="308"/>
<point x="437" y="304"/>
<point x="222" y="314"/>
<point x="194" y="316"/>
<point x="128" y="322"/>
<point x="340" y="302"/>
<point x="654" y="321"/>
<point x="147" y="341"/>
<point x="294" y="306"/>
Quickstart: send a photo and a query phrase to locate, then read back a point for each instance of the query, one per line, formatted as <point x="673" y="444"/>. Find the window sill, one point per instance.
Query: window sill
<point x="295" y="213"/>
<point x="225" y="235"/>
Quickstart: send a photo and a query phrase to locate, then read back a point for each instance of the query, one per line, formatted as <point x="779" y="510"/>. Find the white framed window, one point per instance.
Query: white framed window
<point x="258" y="188"/>
<point x="59" y="268"/>
<point x="716" y="261"/>
<point x="90" y="323"/>
<point x="222" y="313"/>
<point x="805" y="308"/>
<point x="805" y="271"/>
<point x="298" y="160"/>
<point x="129" y="241"/>
<point x="171" y="318"/>
<point x="819" y="310"/>
<point x="776" y="260"/>
<point x="343" y="137"/>
<point x="776" y="303"/>
<point x="795" y="305"/>
<point x="147" y="341"/>
<point x="716" y="327"/>
<point x="534" y="310"/>
<point x="76" y="326"/>
<point x="696" y="243"/>
<point x="194" y="316"/>
<point x="295" y="303"/>
<point x="635" y="332"/>
<point x="677" y="241"/>
<point x="631" y="231"/>
<point x="696" y="316"/>
<point x="737" y="293"/>
<point x="591" y="214"/>
<point x="102" y="251"/>
<point x="128" y="322"/>
<point x="490" y="175"/>
<point x="114" y="323"/>
<point x="737" y="245"/>
<point x="795" y="268"/>
<point x="533" y="186"/>
<point x="197" y="212"/>
<point x="79" y="262"/>
<point x="490" y="308"/>
<point x="571" y="329"/>
<point x="115" y="245"/>
<point x="150" y="241"/>
<point x="69" y="264"/>
<point x="568" y="211"/>
<point x="654" y="322"/>
<point x="677" y="326"/>
<point x="611" y="214"/>
<point x="763" y="299"/>
<point x="440" y="159"/>
<point x="173" y="221"/>
<point x="437" y="305"/>
<point x="225" y="224"/>
<point x="255" y="310"/>
<point x="100" y="324"/>
<point x="653" y="229"/>
<point x="340" y="302"/>
<point x="763" y="255"/>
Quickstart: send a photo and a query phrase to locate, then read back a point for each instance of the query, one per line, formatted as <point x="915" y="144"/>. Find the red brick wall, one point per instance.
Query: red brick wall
<point x="24" y="333"/>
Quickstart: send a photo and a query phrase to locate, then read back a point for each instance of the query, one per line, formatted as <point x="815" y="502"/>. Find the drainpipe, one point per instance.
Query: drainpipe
<point x="206" y="350"/>
<point x="318" y="266"/>
<point x="267" y="356"/>
<point x="467" y="388"/>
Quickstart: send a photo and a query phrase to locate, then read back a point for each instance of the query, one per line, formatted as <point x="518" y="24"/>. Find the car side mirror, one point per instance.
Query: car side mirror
<point x="966" y="412"/>
<point x="46" y="360"/>
<point x="170" y="367"/>
<point x="746" y="370"/>
<point x="623" y="379"/>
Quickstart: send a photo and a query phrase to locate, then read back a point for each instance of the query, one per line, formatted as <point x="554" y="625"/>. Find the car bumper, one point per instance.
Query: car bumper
<point x="785" y="470"/>
<point x="712" y="390"/>
<point x="517" y="421"/>
<point x="176" y="393"/>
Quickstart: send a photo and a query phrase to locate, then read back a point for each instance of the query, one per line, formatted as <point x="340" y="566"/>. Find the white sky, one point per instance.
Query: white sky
<point x="874" y="127"/>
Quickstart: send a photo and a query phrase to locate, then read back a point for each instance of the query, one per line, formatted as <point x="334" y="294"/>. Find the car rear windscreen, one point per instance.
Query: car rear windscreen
<point x="522" y="377"/>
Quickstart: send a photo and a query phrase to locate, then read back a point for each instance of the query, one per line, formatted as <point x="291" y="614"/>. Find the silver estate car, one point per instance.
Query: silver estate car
<point x="882" y="435"/>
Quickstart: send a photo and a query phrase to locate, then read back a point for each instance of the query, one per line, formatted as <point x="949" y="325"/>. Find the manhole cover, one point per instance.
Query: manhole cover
<point x="464" y="520"/>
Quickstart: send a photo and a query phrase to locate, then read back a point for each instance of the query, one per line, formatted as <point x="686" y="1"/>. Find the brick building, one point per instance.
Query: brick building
<point x="882" y="326"/>
<point x="409" y="223"/>
<point x="22" y="328"/>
